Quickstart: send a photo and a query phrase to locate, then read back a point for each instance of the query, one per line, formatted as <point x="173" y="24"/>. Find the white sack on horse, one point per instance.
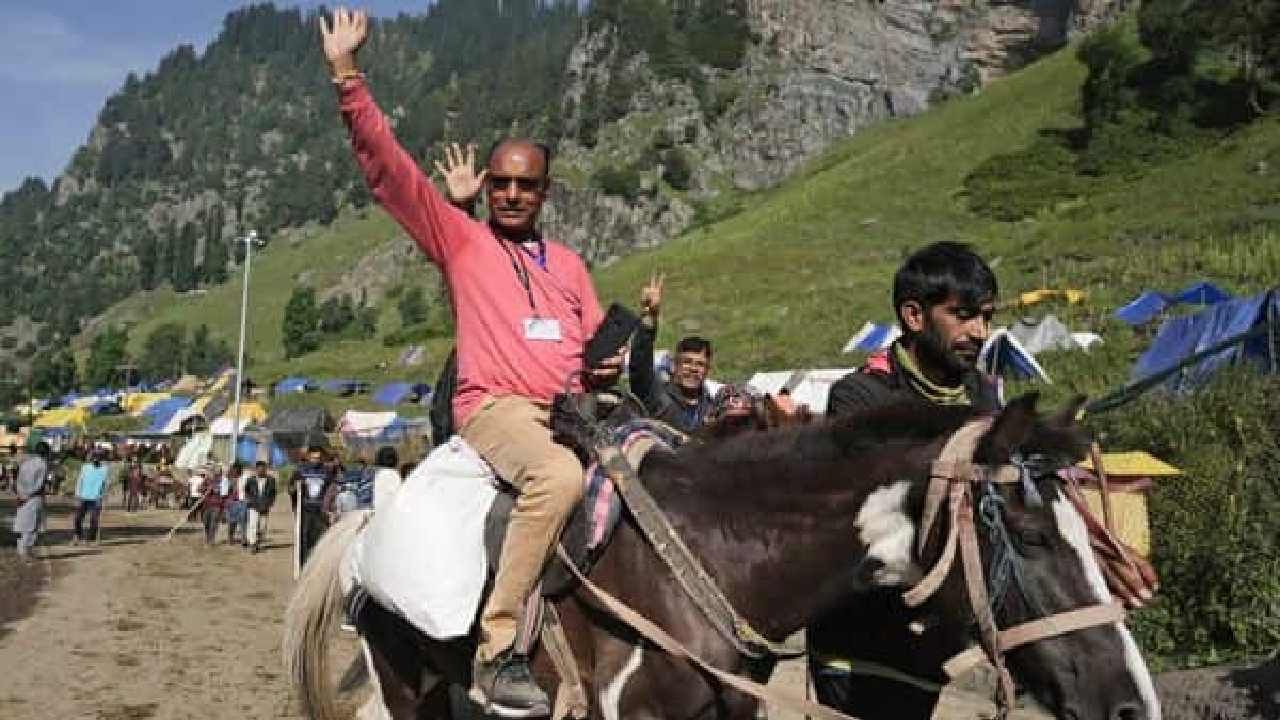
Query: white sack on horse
<point x="423" y="554"/>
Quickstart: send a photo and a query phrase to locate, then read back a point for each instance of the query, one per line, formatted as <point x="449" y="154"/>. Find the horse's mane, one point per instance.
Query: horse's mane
<point x="747" y="466"/>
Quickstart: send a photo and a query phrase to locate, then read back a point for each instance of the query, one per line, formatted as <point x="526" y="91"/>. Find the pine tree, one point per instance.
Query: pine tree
<point x="215" y="250"/>
<point x="301" y="323"/>
<point x="184" y="259"/>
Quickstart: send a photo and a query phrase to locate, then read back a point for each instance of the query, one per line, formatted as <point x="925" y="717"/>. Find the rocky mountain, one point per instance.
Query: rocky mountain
<point x="807" y="73"/>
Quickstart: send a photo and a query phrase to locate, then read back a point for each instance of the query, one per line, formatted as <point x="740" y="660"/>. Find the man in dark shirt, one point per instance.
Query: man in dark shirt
<point x="683" y="401"/>
<point x="944" y="297"/>
<point x="311" y="483"/>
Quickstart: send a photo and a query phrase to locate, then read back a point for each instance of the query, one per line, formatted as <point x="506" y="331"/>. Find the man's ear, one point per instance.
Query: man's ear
<point x="911" y="316"/>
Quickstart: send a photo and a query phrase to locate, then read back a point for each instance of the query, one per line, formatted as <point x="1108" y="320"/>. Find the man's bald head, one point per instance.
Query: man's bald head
<point x="518" y="181"/>
<point x="529" y="153"/>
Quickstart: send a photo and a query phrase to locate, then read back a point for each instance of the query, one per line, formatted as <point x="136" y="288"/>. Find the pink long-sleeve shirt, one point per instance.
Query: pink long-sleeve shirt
<point x="490" y="303"/>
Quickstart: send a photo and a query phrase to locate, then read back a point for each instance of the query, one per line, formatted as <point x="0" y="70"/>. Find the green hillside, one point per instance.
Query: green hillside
<point x="783" y="282"/>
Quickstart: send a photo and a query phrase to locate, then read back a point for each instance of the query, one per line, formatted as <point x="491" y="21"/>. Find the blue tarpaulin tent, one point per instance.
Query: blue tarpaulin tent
<point x="291" y="385"/>
<point x="1143" y="308"/>
<point x="340" y="387"/>
<point x="162" y="411"/>
<point x="872" y="337"/>
<point x="1003" y="355"/>
<point x="1183" y="336"/>
<point x="1150" y="303"/>
<point x="399" y="392"/>
<point x="249" y="450"/>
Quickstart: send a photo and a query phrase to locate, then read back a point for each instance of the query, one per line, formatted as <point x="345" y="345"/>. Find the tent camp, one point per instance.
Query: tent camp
<point x="138" y="403"/>
<point x="1183" y="336"/>
<point x="1005" y="356"/>
<point x="186" y="385"/>
<point x="872" y="337"/>
<point x="195" y="453"/>
<point x="299" y="428"/>
<point x="808" y="387"/>
<point x="1147" y="306"/>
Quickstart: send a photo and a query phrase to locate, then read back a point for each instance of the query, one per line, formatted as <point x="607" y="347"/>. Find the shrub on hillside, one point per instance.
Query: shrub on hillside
<point x="1018" y="185"/>
<point x="1216" y="545"/>
<point x="620" y="181"/>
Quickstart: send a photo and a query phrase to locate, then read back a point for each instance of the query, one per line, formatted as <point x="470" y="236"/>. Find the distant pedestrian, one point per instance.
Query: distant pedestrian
<point x="90" y="490"/>
<point x="30" y="488"/>
<point x="236" y="510"/>
<point x="312" y="482"/>
<point x="260" y="495"/>
<point x="218" y="491"/>
<point x="386" y="479"/>
<point x="135" y="482"/>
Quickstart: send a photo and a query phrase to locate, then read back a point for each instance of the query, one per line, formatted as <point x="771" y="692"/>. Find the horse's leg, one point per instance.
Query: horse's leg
<point x="398" y="668"/>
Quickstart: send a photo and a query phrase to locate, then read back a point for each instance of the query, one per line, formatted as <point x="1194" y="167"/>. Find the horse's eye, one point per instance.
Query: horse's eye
<point x="1034" y="537"/>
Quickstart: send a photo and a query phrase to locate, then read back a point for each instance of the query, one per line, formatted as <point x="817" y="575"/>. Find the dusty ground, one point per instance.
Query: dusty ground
<point x="138" y="628"/>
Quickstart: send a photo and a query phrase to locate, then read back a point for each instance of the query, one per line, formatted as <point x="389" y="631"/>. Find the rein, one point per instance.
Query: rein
<point x="964" y="486"/>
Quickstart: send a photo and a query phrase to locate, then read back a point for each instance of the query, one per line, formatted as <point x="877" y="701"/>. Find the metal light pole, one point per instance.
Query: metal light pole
<point x="249" y="241"/>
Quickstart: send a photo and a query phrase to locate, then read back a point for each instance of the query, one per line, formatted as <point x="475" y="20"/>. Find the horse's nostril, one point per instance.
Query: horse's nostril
<point x="1127" y="711"/>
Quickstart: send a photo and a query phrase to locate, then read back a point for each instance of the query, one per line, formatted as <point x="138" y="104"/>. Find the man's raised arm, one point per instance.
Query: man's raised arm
<point x="394" y="179"/>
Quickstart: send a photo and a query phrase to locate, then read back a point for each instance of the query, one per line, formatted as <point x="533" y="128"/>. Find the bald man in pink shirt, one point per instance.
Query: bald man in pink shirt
<point x="524" y="308"/>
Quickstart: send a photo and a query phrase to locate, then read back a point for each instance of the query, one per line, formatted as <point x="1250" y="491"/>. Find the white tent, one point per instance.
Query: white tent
<point x="223" y="426"/>
<point x="1004" y="355"/>
<point x="174" y="426"/>
<point x="354" y="422"/>
<point x="807" y="387"/>
<point x="195" y="453"/>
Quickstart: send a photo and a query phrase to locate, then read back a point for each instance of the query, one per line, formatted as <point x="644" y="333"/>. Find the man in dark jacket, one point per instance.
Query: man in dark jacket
<point x="260" y="495"/>
<point x="311" y="484"/>
<point x="683" y="401"/>
<point x="944" y="297"/>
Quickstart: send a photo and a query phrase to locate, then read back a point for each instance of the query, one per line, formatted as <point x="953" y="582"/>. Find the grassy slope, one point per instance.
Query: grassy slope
<point x="785" y="282"/>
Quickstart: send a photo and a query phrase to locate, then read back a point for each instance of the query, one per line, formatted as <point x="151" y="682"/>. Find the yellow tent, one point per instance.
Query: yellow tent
<point x="1128" y="501"/>
<point x="251" y="411"/>
<point x="62" y="417"/>
<point x="137" y="403"/>
<point x="1072" y="296"/>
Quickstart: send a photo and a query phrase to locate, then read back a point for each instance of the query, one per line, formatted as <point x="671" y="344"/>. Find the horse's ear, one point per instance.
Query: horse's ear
<point x="1069" y="414"/>
<point x="1011" y="429"/>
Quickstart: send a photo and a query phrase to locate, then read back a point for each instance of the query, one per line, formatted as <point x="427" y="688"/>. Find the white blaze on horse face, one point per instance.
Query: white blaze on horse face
<point x="890" y="535"/>
<point x="1072" y="528"/>
<point x="611" y="695"/>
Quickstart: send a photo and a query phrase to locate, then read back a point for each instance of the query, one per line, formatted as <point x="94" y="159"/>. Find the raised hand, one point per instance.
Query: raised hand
<point x="651" y="295"/>
<point x="343" y="37"/>
<point x="461" y="182"/>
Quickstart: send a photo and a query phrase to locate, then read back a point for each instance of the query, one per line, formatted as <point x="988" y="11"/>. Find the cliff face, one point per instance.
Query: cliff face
<point x="814" y="72"/>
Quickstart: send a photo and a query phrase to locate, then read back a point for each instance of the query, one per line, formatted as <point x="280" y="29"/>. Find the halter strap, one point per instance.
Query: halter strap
<point x="951" y="479"/>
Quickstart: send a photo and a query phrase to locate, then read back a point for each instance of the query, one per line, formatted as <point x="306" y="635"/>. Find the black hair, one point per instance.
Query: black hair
<point x="386" y="457"/>
<point x="694" y="344"/>
<point x="42" y="449"/>
<point x="237" y="466"/>
<point x="942" y="270"/>
<point x="260" y="463"/>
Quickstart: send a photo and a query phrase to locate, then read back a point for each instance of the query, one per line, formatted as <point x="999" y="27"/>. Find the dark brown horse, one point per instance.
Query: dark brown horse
<point x="790" y="523"/>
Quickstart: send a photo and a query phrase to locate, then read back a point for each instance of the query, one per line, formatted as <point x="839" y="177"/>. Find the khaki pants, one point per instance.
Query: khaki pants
<point x="513" y="434"/>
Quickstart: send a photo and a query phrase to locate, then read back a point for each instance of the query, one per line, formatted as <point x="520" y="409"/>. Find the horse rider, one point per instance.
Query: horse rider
<point x="682" y="401"/>
<point x="524" y="308"/>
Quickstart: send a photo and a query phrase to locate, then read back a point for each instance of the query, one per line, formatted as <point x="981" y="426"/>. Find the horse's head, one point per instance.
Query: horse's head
<point x="1037" y="562"/>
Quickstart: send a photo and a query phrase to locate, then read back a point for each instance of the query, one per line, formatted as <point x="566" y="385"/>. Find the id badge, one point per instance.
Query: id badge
<point x="542" y="329"/>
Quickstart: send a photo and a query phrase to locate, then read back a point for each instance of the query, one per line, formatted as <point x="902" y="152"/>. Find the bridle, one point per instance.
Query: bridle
<point x="961" y="486"/>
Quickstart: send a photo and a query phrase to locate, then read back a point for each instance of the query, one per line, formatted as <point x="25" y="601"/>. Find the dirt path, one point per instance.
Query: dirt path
<point x="138" y="628"/>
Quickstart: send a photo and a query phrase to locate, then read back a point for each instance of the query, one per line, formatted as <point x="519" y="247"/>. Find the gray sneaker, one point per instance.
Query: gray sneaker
<point x="505" y="687"/>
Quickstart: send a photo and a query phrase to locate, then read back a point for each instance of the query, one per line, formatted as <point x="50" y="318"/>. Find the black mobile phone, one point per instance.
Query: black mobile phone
<point x="618" y="325"/>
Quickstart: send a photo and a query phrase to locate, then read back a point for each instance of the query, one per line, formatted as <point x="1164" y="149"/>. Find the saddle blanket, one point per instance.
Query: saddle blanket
<point x="423" y="555"/>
